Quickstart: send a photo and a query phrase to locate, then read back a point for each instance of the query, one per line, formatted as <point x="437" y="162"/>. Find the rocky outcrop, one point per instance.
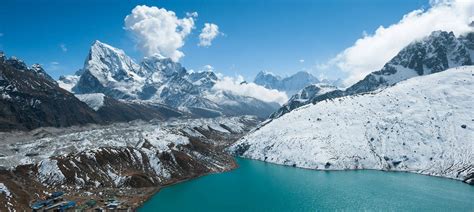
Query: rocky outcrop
<point x="29" y="98"/>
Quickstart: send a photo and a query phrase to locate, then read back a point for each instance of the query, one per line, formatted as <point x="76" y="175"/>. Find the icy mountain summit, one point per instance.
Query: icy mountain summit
<point x="157" y="79"/>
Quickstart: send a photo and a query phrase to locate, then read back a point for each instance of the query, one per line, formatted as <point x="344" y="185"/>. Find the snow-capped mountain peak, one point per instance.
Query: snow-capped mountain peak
<point x="156" y="79"/>
<point x="290" y="85"/>
<point x="435" y="53"/>
<point x="158" y="63"/>
<point x="110" y="64"/>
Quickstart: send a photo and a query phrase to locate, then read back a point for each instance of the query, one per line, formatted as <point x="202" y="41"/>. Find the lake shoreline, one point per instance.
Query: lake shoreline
<point x="212" y="190"/>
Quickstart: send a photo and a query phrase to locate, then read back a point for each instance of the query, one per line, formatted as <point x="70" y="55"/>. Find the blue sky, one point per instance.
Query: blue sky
<point x="259" y="34"/>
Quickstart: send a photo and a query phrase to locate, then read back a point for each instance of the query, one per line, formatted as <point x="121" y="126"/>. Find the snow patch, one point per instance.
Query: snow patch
<point x="93" y="100"/>
<point x="49" y="172"/>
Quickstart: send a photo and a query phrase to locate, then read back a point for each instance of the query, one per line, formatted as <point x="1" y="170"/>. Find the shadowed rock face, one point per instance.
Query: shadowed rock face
<point x="29" y="98"/>
<point x="435" y="53"/>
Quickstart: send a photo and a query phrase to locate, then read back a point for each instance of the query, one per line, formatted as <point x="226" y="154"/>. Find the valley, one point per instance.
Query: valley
<point x="237" y="106"/>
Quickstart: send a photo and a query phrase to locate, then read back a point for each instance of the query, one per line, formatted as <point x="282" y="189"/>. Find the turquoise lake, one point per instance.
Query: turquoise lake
<point x="259" y="186"/>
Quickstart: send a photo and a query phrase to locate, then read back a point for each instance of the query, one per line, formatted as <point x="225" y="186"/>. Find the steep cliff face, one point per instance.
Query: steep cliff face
<point x="30" y="98"/>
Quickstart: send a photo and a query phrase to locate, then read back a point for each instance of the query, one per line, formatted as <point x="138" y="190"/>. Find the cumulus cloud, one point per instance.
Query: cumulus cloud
<point x="63" y="47"/>
<point x="208" y="68"/>
<point x="371" y="52"/>
<point x="159" y="31"/>
<point x="238" y="86"/>
<point x="208" y="33"/>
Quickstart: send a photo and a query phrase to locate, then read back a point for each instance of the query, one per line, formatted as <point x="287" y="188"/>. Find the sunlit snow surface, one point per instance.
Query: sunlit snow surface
<point x="93" y="100"/>
<point x="423" y="125"/>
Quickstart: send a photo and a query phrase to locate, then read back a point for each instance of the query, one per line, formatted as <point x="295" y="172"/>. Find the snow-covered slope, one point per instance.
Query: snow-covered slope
<point x="304" y="97"/>
<point x="437" y="52"/>
<point x="423" y="125"/>
<point x="155" y="79"/>
<point x="93" y="100"/>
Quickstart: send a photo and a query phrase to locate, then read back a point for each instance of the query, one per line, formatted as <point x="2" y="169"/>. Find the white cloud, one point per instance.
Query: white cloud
<point x="63" y="47"/>
<point x="208" y="33"/>
<point x="53" y="66"/>
<point x="236" y="86"/>
<point x="371" y="52"/>
<point x="301" y="61"/>
<point x="208" y="68"/>
<point x="159" y="31"/>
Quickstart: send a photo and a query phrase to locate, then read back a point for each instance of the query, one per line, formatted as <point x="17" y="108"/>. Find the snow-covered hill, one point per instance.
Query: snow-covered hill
<point x="423" y="125"/>
<point x="157" y="79"/>
<point x="435" y="53"/>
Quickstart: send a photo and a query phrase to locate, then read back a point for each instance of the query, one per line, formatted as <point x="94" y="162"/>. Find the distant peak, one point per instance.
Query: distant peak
<point x="440" y="33"/>
<point x="265" y="73"/>
<point x="302" y="73"/>
<point x="36" y="66"/>
<point x="155" y="57"/>
<point x="100" y="45"/>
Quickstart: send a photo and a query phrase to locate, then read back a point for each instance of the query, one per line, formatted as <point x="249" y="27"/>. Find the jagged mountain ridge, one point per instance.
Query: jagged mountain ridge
<point x="30" y="98"/>
<point x="157" y="79"/>
<point x="438" y="52"/>
<point x="420" y="125"/>
<point x="290" y="85"/>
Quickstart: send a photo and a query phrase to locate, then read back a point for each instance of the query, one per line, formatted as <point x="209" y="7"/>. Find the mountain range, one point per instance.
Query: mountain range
<point x="438" y="52"/>
<point x="157" y="79"/>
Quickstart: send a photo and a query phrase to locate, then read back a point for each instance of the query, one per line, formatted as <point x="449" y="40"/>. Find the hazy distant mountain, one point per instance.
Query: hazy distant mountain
<point x="290" y="85"/>
<point x="437" y="52"/>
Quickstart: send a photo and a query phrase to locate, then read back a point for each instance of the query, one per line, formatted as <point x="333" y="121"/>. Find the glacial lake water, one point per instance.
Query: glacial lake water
<point x="259" y="186"/>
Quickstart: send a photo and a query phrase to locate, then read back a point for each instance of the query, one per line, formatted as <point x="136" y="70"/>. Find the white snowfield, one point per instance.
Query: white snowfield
<point x="423" y="125"/>
<point x="93" y="100"/>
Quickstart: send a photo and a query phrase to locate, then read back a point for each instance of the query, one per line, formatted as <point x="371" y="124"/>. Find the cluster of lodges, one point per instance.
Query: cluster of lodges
<point x="56" y="202"/>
